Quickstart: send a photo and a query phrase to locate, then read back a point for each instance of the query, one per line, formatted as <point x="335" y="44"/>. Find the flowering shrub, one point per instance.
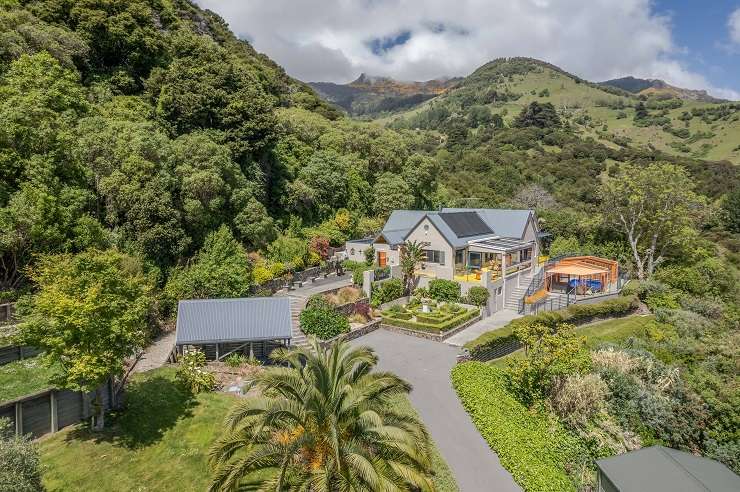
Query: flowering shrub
<point x="192" y="375"/>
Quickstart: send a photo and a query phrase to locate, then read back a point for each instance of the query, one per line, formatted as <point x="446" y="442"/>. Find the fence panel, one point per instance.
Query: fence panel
<point x="37" y="415"/>
<point x="13" y="353"/>
<point x="70" y="408"/>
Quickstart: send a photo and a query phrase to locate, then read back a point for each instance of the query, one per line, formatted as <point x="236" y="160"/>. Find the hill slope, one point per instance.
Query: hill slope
<point x="370" y="95"/>
<point x="681" y="127"/>
<point x="650" y="87"/>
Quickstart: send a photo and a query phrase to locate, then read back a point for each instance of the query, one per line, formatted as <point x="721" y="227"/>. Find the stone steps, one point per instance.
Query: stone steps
<point x="297" y="303"/>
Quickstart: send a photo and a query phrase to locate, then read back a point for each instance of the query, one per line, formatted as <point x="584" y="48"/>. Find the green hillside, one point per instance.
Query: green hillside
<point x="680" y="127"/>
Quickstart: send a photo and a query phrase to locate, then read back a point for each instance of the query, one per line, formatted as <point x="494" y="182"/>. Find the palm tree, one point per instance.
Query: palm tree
<point x="412" y="253"/>
<point x="324" y="422"/>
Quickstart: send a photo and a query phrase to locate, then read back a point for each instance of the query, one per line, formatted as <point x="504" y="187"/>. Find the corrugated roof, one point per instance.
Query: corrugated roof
<point x="224" y="320"/>
<point x="661" y="469"/>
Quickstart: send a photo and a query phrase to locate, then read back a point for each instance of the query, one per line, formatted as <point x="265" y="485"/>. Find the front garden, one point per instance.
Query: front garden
<point x="428" y="315"/>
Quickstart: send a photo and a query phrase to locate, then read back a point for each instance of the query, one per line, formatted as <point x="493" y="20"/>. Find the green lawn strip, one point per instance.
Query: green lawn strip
<point x="444" y="480"/>
<point x="533" y="446"/>
<point x="611" y="331"/>
<point x="23" y="377"/>
<point x="159" y="443"/>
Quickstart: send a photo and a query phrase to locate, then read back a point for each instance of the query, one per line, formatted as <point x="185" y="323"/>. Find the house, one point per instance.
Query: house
<point x="661" y="469"/>
<point x="474" y="246"/>
<point x="355" y="249"/>
<point x="251" y="326"/>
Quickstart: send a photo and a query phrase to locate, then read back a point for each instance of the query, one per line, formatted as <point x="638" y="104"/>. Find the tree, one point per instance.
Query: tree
<point x="731" y="208"/>
<point x="20" y="460"/>
<point x="221" y="269"/>
<point x="656" y="208"/>
<point x="90" y="313"/>
<point x="551" y="353"/>
<point x="420" y="172"/>
<point x="534" y="196"/>
<point x="391" y="193"/>
<point x="412" y="253"/>
<point x="538" y="115"/>
<point x="324" y="422"/>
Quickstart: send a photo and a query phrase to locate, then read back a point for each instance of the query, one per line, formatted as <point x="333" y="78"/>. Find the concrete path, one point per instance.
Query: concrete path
<point x="426" y="365"/>
<point x="493" y="322"/>
<point x="156" y="354"/>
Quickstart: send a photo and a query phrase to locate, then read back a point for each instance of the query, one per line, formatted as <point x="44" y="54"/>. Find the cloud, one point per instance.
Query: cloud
<point x="733" y="24"/>
<point x="336" y="40"/>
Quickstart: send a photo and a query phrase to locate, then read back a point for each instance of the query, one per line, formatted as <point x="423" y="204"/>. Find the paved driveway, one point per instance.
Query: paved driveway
<point x="493" y="322"/>
<point x="426" y="365"/>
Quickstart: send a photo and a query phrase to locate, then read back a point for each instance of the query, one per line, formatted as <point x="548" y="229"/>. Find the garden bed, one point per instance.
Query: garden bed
<point x="440" y="319"/>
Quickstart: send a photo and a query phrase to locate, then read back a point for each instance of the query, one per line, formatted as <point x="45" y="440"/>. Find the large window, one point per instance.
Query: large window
<point x="525" y="254"/>
<point x="434" y="256"/>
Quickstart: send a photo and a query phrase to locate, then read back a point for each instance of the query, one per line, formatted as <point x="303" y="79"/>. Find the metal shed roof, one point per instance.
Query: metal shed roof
<point x="661" y="469"/>
<point x="500" y="244"/>
<point x="233" y="320"/>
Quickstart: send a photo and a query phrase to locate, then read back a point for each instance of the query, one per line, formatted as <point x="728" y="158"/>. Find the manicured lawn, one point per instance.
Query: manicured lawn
<point x="614" y="331"/>
<point x="23" y="377"/>
<point x="159" y="443"/>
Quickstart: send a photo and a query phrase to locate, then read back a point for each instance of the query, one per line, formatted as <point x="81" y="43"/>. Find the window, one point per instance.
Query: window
<point x="434" y="256"/>
<point x="526" y="254"/>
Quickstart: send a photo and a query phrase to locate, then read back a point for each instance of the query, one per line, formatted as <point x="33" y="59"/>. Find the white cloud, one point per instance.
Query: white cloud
<point x="733" y="23"/>
<point x="329" y="40"/>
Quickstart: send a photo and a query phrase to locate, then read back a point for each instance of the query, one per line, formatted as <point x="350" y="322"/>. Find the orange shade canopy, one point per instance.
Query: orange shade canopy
<point x="577" y="270"/>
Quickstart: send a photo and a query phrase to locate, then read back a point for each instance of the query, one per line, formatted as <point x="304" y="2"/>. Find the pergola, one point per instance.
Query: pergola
<point x="582" y="273"/>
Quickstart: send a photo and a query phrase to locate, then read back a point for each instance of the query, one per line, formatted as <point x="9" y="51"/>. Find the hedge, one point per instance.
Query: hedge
<point x="324" y="323"/>
<point x="444" y="290"/>
<point x="532" y="445"/>
<point x="391" y="319"/>
<point x="575" y="314"/>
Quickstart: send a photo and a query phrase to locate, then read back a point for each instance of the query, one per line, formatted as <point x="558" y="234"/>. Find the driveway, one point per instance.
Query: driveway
<point x="493" y="322"/>
<point x="427" y="365"/>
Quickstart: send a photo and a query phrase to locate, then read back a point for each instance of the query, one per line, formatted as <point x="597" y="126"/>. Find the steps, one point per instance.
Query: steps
<point x="297" y="303"/>
<point x="515" y="294"/>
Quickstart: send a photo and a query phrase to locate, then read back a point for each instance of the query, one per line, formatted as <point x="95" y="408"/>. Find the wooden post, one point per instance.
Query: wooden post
<point x="54" y="411"/>
<point x="217" y="357"/>
<point x="19" y="418"/>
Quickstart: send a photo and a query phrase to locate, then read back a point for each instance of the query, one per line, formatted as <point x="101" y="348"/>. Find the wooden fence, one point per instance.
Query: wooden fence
<point x="51" y="410"/>
<point x="7" y="311"/>
<point x="13" y="353"/>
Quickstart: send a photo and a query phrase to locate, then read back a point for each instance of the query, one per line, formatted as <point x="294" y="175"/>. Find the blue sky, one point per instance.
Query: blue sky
<point x="687" y="43"/>
<point x="701" y="28"/>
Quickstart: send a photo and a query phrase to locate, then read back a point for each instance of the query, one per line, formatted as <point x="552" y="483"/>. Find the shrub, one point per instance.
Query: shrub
<point x="345" y="295"/>
<point x="369" y="255"/>
<point x="21" y="464"/>
<point x="444" y="290"/>
<point x="236" y="360"/>
<point x="192" y="375"/>
<point x="387" y="291"/>
<point x="394" y="320"/>
<point x="533" y="446"/>
<point x="577" y="399"/>
<point x="323" y="322"/>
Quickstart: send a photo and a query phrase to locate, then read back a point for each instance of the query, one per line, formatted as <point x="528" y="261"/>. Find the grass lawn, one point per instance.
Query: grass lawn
<point x="23" y="377"/>
<point x="614" y="331"/>
<point x="159" y="443"/>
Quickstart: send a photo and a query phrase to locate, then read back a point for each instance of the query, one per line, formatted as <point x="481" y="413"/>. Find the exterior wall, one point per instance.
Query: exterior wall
<point x="356" y="251"/>
<point x="427" y="233"/>
<point x="530" y="234"/>
<point x="392" y="255"/>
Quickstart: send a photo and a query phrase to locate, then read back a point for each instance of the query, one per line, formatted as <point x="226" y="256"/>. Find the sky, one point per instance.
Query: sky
<point x="688" y="43"/>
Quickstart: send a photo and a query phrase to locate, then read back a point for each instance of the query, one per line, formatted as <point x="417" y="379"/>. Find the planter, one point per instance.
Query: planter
<point x="437" y="337"/>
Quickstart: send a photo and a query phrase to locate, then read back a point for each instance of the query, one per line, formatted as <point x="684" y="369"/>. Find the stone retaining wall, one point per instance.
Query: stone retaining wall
<point x="437" y="337"/>
<point x="351" y="335"/>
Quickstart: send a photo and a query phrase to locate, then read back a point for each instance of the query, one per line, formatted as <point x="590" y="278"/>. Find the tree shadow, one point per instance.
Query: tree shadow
<point x="152" y="405"/>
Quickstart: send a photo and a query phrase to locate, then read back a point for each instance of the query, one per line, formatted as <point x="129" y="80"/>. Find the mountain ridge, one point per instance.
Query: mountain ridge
<point x="649" y="87"/>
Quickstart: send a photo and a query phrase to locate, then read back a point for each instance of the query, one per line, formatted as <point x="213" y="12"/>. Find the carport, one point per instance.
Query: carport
<point x="253" y="326"/>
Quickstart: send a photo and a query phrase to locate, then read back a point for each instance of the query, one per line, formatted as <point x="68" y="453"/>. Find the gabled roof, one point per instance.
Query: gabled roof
<point x="458" y="225"/>
<point x="233" y="320"/>
<point x="661" y="469"/>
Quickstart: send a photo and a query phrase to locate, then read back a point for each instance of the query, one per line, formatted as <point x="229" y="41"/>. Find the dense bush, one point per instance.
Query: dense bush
<point x="444" y="290"/>
<point x="478" y="296"/>
<point x="386" y="291"/>
<point x="575" y="314"/>
<point x="323" y="322"/>
<point x="532" y="445"/>
<point x="20" y="464"/>
<point x="191" y="374"/>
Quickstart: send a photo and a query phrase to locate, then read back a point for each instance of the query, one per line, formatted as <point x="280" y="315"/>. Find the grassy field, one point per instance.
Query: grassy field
<point x="159" y="443"/>
<point x="614" y="331"/>
<point x="23" y="377"/>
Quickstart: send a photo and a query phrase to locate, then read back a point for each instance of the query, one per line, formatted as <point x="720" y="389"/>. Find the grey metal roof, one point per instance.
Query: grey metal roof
<point x="502" y="223"/>
<point x="661" y="469"/>
<point x="366" y="240"/>
<point x="227" y="320"/>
